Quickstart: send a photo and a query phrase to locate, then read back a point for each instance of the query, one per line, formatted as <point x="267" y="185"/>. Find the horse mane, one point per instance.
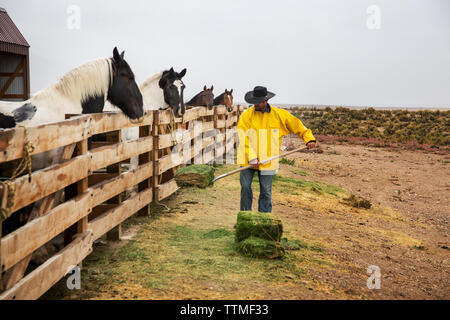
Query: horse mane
<point x="151" y="92"/>
<point x="91" y="79"/>
<point x="193" y="98"/>
<point x="150" y="80"/>
<point x="218" y="98"/>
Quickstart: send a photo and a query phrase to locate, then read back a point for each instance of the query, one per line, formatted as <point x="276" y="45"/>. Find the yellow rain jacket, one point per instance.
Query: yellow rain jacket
<point x="260" y="134"/>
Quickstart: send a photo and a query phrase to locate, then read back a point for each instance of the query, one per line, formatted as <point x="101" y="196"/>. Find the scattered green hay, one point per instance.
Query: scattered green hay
<point x="254" y="247"/>
<point x="288" y="184"/>
<point x="299" y="244"/>
<point x="217" y="233"/>
<point x="133" y="252"/>
<point x="294" y="244"/>
<point x="258" y="224"/>
<point x="357" y="202"/>
<point x="200" y="175"/>
<point x="287" y="161"/>
<point x="302" y="173"/>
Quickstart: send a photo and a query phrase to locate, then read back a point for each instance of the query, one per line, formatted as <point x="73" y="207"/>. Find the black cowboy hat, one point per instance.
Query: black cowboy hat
<point x="258" y="95"/>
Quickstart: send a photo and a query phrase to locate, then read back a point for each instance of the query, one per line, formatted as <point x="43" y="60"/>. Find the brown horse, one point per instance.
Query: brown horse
<point x="225" y="99"/>
<point x="205" y="98"/>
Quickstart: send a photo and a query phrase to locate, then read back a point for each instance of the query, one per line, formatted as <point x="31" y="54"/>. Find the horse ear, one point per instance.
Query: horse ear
<point x="212" y="87"/>
<point x="122" y="54"/>
<point x="116" y="54"/>
<point x="204" y="88"/>
<point x="231" y="91"/>
<point x="182" y="73"/>
<point x="171" y="70"/>
<point x="226" y="90"/>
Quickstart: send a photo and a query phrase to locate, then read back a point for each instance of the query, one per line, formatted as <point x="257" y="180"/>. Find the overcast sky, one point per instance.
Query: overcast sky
<point x="307" y="52"/>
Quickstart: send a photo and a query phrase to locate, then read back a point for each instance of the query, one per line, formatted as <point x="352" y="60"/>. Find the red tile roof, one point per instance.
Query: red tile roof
<point x="10" y="37"/>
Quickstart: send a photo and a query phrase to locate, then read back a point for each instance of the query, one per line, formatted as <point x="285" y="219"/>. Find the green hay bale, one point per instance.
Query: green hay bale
<point x="260" y="248"/>
<point x="200" y="175"/>
<point x="217" y="233"/>
<point x="258" y="224"/>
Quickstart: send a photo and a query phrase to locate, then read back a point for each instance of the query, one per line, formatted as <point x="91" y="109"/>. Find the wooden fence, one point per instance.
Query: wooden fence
<point x="94" y="184"/>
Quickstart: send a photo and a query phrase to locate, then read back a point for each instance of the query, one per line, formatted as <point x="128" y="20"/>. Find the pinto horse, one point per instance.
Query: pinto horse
<point x="164" y="90"/>
<point x="204" y="98"/>
<point x="81" y="90"/>
<point x="161" y="91"/>
<point x="225" y="99"/>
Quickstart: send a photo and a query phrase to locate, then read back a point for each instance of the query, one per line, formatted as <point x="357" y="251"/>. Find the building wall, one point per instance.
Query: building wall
<point x="8" y="63"/>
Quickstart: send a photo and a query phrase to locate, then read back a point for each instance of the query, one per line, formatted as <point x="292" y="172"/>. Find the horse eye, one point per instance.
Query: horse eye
<point x="128" y="76"/>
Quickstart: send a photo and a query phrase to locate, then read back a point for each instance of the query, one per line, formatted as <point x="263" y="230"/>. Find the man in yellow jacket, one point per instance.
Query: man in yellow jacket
<point x="260" y="130"/>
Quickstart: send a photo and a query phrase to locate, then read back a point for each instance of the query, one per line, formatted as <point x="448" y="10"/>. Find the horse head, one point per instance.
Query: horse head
<point x="173" y="88"/>
<point x="204" y="98"/>
<point x="228" y="99"/>
<point x="207" y="97"/>
<point x="123" y="91"/>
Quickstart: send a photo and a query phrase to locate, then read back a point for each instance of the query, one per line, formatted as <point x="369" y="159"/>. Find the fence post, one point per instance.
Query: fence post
<point x="155" y="152"/>
<point x="83" y="184"/>
<point x="116" y="168"/>
<point x="146" y="131"/>
<point x="215" y="120"/>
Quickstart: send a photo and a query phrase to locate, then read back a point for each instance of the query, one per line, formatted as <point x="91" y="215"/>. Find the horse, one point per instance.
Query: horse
<point x="204" y="98"/>
<point x="81" y="90"/>
<point x="161" y="91"/>
<point x="164" y="90"/>
<point x="225" y="99"/>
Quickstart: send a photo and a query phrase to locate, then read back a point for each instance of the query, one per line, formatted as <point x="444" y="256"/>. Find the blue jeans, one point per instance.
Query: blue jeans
<point x="265" y="187"/>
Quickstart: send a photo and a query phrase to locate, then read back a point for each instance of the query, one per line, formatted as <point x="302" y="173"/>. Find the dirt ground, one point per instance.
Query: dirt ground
<point x="187" y="252"/>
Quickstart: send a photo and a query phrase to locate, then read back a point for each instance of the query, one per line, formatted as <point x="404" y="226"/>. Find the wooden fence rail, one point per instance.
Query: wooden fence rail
<point x="94" y="183"/>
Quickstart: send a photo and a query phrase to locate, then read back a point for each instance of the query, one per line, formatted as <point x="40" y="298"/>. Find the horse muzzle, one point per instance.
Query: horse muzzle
<point x="136" y="121"/>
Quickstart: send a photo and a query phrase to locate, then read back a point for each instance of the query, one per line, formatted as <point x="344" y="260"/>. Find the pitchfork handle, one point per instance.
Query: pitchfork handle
<point x="262" y="162"/>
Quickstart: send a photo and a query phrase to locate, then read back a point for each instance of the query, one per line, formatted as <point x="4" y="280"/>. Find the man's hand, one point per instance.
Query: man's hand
<point x="254" y="164"/>
<point x="311" y="145"/>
